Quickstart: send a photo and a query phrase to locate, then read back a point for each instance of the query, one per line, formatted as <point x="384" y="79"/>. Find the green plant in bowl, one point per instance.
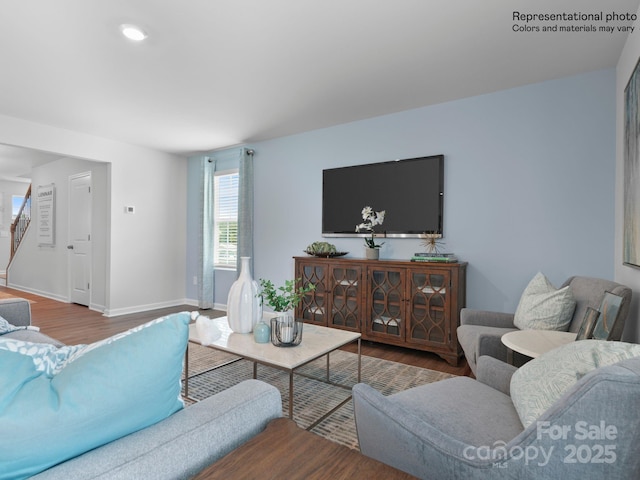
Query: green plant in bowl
<point x="321" y="248"/>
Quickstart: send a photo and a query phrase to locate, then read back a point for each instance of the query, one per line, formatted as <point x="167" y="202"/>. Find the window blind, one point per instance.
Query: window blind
<point x="226" y="219"/>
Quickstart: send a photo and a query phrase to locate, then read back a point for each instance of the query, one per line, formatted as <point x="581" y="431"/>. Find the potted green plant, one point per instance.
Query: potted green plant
<point x="284" y="298"/>
<point x="371" y="219"/>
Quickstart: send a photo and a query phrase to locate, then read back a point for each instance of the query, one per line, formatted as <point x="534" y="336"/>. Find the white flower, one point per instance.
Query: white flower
<point x="371" y="219"/>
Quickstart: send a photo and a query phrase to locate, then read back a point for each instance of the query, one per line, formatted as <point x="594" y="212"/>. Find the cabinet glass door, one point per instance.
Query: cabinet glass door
<point x="345" y="297"/>
<point x="429" y="305"/>
<point x="385" y="303"/>
<point x="313" y="306"/>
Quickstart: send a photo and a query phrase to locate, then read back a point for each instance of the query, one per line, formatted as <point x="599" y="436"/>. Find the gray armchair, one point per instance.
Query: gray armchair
<point x="480" y="332"/>
<point x="466" y="428"/>
<point x="17" y="311"/>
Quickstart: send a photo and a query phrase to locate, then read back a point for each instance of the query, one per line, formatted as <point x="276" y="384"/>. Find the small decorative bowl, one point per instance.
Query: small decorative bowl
<point x="325" y="254"/>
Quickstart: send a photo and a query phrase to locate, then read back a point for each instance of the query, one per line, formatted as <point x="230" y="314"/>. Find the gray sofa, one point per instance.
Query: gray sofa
<point x="465" y="428"/>
<point x="480" y="331"/>
<point x="179" y="446"/>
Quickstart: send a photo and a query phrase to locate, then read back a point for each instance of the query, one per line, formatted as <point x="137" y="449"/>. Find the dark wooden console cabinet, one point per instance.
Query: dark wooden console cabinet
<point x="411" y="304"/>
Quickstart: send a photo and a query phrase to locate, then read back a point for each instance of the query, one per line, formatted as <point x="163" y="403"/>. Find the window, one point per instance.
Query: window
<point x="16" y="204"/>
<point x="226" y="219"/>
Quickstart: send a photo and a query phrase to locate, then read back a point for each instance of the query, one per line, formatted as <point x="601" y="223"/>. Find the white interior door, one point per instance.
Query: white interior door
<point x="80" y="238"/>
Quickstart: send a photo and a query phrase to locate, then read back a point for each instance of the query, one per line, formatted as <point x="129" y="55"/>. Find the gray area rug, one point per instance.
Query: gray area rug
<point x="313" y="398"/>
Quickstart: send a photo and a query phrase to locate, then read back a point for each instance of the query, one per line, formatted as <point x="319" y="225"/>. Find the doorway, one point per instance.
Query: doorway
<point x="80" y="219"/>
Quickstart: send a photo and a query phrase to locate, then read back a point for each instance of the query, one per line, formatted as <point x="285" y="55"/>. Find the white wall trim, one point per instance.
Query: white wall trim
<point x="97" y="308"/>
<point x="40" y="293"/>
<point x="114" y="312"/>
<point x="156" y="306"/>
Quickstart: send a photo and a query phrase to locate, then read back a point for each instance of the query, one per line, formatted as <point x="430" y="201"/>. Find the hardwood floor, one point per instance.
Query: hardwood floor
<point x="72" y="324"/>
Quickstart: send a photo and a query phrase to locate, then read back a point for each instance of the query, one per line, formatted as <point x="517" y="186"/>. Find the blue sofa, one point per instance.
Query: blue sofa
<point x="177" y="447"/>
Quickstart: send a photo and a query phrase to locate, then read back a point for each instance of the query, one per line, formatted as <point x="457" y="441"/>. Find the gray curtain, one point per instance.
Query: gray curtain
<point x="206" y="291"/>
<point x="245" y="207"/>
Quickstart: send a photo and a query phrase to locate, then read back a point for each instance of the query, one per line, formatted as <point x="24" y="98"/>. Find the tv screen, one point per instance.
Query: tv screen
<point x="410" y="191"/>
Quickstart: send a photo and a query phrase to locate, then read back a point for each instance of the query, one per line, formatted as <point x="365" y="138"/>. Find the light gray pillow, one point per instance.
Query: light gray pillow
<point x="543" y="307"/>
<point x="538" y="384"/>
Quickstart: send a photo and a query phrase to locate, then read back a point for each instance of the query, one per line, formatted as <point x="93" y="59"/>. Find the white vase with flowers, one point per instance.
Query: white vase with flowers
<point x="370" y="220"/>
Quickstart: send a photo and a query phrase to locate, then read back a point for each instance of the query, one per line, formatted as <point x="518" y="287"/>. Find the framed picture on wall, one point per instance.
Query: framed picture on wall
<point x="631" y="233"/>
<point x="46" y="214"/>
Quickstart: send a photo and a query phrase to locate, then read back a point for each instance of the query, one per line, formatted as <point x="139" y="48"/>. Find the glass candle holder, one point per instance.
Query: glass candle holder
<point x="286" y="331"/>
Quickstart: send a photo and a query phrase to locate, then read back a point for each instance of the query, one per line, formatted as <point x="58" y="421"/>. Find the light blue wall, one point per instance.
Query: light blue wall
<point x="529" y="184"/>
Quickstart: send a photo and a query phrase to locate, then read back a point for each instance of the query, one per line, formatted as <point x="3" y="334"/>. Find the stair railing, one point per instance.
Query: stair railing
<point x="20" y="224"/>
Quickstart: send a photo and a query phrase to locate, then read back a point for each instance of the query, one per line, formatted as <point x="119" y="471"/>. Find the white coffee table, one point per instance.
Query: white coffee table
<point x="534" y="343"/>
<point x="316" y="342"/>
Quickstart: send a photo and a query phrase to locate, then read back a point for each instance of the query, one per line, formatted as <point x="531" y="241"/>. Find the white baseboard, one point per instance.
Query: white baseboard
<point x="40" y="293"/>
<point x="97" y="308"/>
<point x="114" y="312"/>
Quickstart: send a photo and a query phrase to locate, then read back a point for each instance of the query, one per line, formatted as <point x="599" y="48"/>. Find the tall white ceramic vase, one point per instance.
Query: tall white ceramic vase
<point x="244" y="307"/>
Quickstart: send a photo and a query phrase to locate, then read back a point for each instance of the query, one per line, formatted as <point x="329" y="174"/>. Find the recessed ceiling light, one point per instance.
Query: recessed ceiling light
<point x="133" y="32"/>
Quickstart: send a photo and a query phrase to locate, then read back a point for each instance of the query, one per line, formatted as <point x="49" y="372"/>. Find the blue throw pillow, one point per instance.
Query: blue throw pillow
<point x="57" y="405"/>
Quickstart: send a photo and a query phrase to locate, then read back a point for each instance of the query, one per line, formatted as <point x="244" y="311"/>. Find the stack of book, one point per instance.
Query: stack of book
<point x="434" y="257"/>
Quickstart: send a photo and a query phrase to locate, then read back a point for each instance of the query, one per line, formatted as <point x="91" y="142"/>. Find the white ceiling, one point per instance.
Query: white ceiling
<point x="215" y="73"/>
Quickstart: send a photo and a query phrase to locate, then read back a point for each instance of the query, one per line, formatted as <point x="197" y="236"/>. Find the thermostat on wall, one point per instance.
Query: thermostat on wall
<point x="129" y="209"/>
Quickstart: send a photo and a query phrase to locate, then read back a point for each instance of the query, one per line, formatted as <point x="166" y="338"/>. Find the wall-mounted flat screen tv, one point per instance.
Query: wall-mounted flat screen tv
<point x="411" y="192"/>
